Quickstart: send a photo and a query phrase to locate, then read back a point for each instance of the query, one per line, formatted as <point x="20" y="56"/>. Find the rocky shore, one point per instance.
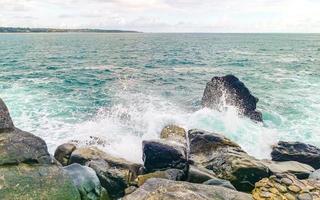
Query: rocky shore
<point x="182" y="164"/>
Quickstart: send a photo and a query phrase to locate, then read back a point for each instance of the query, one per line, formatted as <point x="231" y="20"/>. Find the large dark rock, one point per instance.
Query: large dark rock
<point x="231" y="91"/>
<point x="162" y="189"/>
<point x="29" y="182"/>
<point x="226" y="159"/>
<point x="18" y="146"/>
<point x="86" y="181"/>
<point x="302" y="171"/>
<point x="296" y="151"/>
<point x="63" y="153"/>
<point x="115" y="180"/>
<point x="5" y="119"/>
<point x="163" y="154"/>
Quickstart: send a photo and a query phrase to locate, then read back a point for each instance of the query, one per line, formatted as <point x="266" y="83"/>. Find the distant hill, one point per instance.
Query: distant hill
<point x="53" y="30"/>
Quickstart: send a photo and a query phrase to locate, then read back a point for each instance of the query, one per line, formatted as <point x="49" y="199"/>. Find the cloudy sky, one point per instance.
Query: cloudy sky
<point x="166" y="15"/>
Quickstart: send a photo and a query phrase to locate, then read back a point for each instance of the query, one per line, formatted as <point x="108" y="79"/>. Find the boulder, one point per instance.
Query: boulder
<point x="164" y="154"/>
<point x="226" y="159"/>
<point x="162" y="189"/>
<point x="28" y="182"/>
<point x="220" y="182"/>
<point x="231" y="91"/>
<point x="199" y="174"/>
<point x="170" y="174"/>
<point x="315" y="175"/>
<point x="114" y="180"/>
<point x="302" y="171"/>
<point x="63" y="153"/>
<point x="5" y="119"/>
<point x="175" y="133"/>
<point x="296" y="151"/>
<point x="86" y="154"/>
<point x="18" y="146"/>
<point x="286" y="187"/>
<point x="86" y="181"/>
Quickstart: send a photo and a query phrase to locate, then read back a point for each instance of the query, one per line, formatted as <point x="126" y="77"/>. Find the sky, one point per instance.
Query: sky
<point x="165" y="15"/>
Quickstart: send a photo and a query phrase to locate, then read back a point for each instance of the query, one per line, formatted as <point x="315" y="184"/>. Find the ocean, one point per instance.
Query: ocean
<point x="124" y="88"/>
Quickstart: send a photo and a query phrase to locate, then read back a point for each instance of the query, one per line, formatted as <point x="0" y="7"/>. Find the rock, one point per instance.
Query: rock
<point x="114" y="180"/>
<point x="18" y="146"/>
<point x="226" y="159"/>
<point x="175" y="133"/>
<point x="28" y="182"/>
<point x="86" y="154"/>
<point x="286" y="187"/>
<point x="161" y="155"/>
<point x="199" y="174"/>
<point x="170" y="174"/>
<point x="162" y="189"/>
<point x="5" y="119"/>
<point x="315" y="175"/>
<point x="63" y="153"/>
<point x="231" y="91"/>
<point x="220" y="182"/>
<point x="86" y="181"/>
<point x="130" y="190"/>
<point x="302" y="171"/>
<point x="296" y="151"/>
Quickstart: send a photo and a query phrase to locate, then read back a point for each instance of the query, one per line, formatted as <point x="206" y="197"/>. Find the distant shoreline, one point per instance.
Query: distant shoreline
<point x="53" y="30"/>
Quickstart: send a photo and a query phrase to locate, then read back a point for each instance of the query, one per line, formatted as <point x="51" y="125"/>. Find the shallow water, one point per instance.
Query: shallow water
<point x="125" y="87"/>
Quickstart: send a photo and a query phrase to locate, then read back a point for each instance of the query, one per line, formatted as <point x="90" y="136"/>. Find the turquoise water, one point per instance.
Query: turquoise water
<point x="124" y="88"/>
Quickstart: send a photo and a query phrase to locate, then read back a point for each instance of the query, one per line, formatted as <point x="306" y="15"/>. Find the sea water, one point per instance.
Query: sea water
<point x="124" y="88"/>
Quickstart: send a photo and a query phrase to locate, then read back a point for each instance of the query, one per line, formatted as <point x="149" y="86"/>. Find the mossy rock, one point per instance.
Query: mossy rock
<point x="36" y="182"/>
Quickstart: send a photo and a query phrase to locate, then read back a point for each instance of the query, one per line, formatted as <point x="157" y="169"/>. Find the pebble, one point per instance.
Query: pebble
<point x="294" y="188"/>
<point x="305" y="196"/>
<point x="289" y="196"/>
<point x="286" y="181"/>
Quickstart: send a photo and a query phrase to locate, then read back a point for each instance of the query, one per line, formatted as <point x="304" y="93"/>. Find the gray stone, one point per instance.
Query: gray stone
<point x="86" y="181"/>
<point x="226" y="159"/>
<point x="301" y="170"/>
<point x="162" y="189"/>
<point x="296" y="151"/>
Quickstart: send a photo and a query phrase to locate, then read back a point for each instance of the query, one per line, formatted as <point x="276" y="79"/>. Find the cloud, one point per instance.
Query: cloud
<point x="166" y="15"/>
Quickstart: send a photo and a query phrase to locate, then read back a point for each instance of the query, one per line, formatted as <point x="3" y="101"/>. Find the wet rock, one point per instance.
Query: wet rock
<point x="175" y="133"/>
<point x="199" y="174"/>
<point x="5" y="119"/>
<point x="296" y="151"/>
<point x="86" y="181"/>
<point x="302" y="171"/>
<point x="85" y="154"/>
<point x="156" y="189"/>
<point x="220" y="182"/>
<point x="231" y="91"/>
<point x="114" y="180"/>
<point x="28" y="182"/>
<point x="170" y="174"/>
<point x="226" y="159"/>
<point x="162" y="154"/>
<point x="17" y="146"/>
<point x="286" y="187"/>
<point x="63" y="153"/>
